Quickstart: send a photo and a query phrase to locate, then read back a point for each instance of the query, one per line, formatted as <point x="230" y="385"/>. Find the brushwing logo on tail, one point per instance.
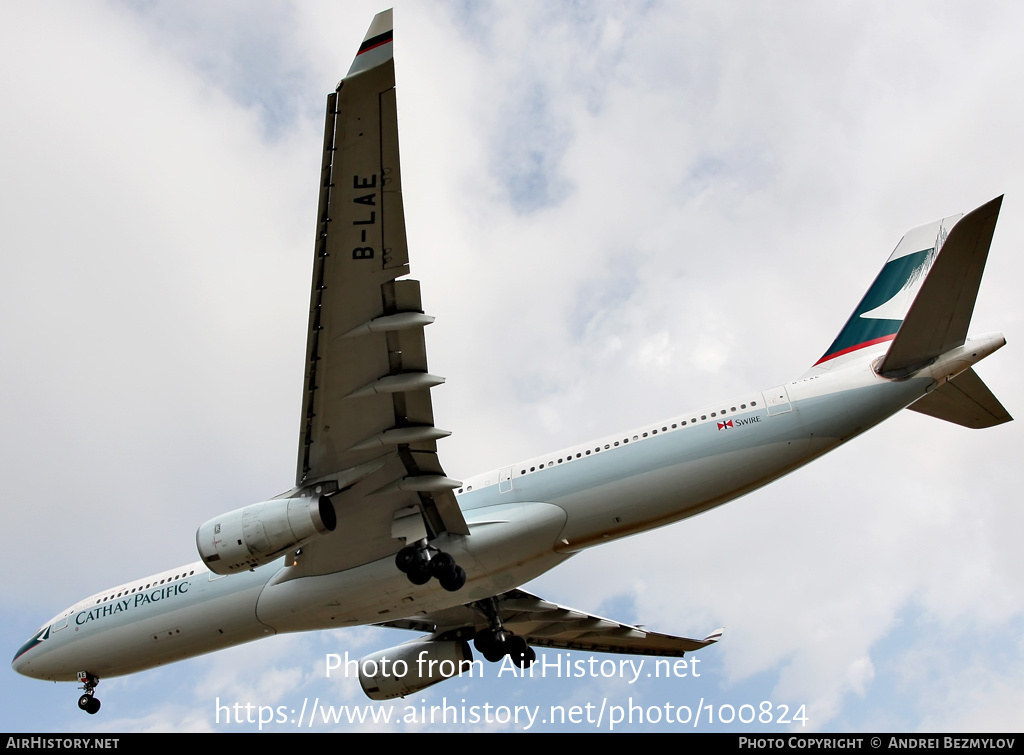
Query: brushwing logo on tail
<point x="880" y="313"/>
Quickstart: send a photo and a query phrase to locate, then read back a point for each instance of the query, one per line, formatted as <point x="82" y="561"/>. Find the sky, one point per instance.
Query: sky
<point x="619" y="211"/>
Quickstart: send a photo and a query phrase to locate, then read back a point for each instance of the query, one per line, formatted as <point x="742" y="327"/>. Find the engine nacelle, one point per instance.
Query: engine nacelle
<point x="258" y="534"/>
<point x="408" y="668"/>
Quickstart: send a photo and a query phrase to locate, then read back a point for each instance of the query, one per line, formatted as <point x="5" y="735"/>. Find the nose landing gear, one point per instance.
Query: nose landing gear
<point x="88" y="702"/>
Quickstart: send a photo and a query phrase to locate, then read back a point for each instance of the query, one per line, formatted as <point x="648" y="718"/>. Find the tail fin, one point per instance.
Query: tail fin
<point x="941" y="313"/>
<point x="922" y="300"/>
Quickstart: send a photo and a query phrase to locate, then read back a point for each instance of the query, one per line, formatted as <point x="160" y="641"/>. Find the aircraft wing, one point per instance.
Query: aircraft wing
<point x="545" y="624"/>
<point x="367" y="434"/>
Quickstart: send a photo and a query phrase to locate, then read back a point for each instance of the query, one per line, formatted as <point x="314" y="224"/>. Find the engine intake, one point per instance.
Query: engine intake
<point x="255" y="535"/>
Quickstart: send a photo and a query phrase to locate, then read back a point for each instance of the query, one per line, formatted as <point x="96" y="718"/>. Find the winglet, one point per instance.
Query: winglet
<point x="715" y="636"/>
<point x="377" y="46"/>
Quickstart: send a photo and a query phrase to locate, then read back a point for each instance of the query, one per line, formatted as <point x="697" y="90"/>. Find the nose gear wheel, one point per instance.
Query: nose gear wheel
<point x="88" y="702"/>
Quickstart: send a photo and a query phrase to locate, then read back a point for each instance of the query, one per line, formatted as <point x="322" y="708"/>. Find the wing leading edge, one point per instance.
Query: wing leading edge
<point x="367" y="434"/>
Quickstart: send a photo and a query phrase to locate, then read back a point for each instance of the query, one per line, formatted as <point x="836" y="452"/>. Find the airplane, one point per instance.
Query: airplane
<point x="374" y="532"/>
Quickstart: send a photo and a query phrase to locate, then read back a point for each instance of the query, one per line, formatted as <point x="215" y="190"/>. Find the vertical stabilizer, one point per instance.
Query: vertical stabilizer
<point x="923" y="298"/>
<point x="941" y="311"/>
<point x="881" y="312"/>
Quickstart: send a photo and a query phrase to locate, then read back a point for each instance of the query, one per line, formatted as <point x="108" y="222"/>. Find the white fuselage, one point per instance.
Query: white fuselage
<point x="524" y="519"/>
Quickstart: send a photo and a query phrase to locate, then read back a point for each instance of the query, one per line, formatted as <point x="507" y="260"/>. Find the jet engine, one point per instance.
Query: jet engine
<point x="408" y="668"/>
<point x="258" y="534"/>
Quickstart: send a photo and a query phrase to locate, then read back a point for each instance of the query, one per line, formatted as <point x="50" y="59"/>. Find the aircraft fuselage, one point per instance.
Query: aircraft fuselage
<point x="524" y="519"/>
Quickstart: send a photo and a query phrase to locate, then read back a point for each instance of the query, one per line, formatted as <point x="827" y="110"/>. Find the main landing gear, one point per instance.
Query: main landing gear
<point x="496" y="642"/>
<point x="420" y="562"/>
<point x="88" y="702"/>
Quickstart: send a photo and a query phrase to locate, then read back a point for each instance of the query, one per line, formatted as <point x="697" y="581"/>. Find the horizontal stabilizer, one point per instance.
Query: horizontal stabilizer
<point x="965" y="400"/>
<point x="941" y="312"/>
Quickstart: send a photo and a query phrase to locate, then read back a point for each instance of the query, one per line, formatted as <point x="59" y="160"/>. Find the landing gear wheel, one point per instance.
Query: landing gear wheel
<point x="409" y="558"/>
<point x="454" y="580"/>
<point x="419" y="574"/>
<point x="519" y="651"/>
<point x="491" y="645"/>
<point x="421" y="562"/>
<point x="87" y="702"/>
<point x="442" y="565"/>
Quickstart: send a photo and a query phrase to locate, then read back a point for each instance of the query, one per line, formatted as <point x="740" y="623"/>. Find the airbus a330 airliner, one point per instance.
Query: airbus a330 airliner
<point x="374" y="532"/>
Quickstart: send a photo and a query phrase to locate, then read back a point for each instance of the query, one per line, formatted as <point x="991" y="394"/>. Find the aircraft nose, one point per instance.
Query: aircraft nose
<point x="20" y="662"/>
